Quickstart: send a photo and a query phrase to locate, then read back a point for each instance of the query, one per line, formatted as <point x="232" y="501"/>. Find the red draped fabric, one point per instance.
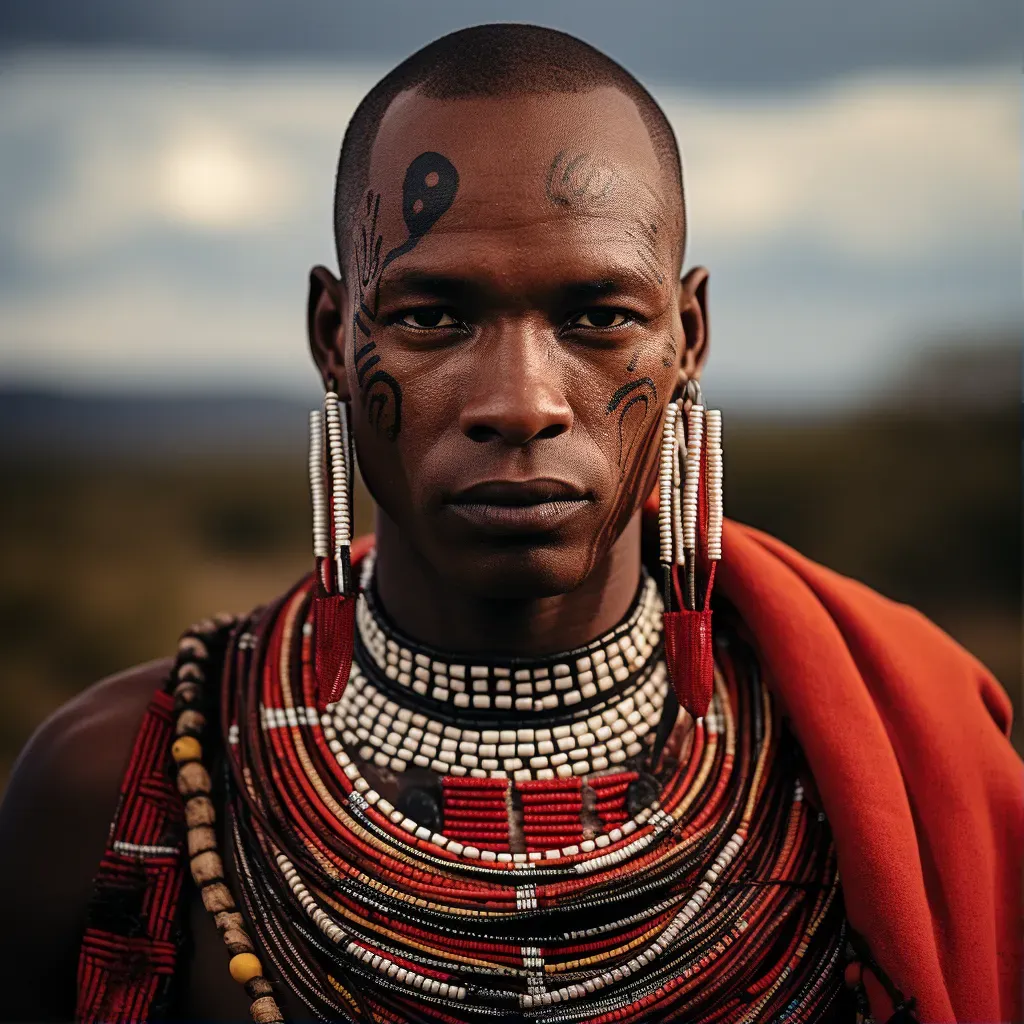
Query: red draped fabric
<point x="906" y="735"/>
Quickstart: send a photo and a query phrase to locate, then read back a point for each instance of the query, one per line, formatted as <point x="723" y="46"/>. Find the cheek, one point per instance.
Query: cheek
<point x="631" y="408"/>
<point x="627" y="411"/>
<point x="630" y="437"/>
<point x="401" y="467"/>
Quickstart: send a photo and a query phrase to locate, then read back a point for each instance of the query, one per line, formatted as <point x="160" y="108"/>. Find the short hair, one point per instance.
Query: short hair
<point x="493" y="60"/>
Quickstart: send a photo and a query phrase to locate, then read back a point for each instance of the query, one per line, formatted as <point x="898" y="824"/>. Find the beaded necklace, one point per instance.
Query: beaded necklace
<point x="521" y="685"/>
<point x="718" y="900"/>
<point x="574" y="714"/>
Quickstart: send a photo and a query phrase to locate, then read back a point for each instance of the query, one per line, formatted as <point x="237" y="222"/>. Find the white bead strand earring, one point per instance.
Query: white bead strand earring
<point x="693" y="528"/>
<point x="715" y="505"/>
<point x="668" y="475"/>
<point x="321" y="520"/>
<point x="336" y="417"/>
<point x="331" y="471"/>
<point x="691" y="488"/>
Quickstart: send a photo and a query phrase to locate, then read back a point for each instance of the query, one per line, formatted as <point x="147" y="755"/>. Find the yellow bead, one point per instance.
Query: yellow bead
<point x="186" y="748"/>
<point x="244" y="967"/>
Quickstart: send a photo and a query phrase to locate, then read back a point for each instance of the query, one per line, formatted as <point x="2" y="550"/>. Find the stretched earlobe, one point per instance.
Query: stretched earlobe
<point x="693" y="311"/>
<point x="325" y="328"/>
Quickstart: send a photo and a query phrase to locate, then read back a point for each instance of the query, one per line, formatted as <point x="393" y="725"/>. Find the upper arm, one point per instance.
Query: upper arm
<point x="54" y="820"/>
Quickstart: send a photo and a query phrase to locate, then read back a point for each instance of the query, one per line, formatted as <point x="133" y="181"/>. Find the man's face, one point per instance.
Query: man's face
<point x="511" y="332"/>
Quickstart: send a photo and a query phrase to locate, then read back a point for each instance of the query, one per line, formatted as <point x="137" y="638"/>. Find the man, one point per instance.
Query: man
<point x="505" y="814"/>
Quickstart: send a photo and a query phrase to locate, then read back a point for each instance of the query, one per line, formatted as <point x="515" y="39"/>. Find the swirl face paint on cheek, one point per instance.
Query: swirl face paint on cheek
<point x="642" y="391"/>
<point x="636" y="409"/>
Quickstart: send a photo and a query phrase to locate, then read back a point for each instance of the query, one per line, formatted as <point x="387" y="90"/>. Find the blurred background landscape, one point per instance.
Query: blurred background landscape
<point x="165" y="183"/>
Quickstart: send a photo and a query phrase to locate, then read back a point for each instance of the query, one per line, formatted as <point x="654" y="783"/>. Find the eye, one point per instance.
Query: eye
<point x="601" y="317"/>
<point x="426" y="318"/>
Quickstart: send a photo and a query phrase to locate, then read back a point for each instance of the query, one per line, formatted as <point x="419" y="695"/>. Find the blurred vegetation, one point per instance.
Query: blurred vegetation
<point x="106" y="559"/>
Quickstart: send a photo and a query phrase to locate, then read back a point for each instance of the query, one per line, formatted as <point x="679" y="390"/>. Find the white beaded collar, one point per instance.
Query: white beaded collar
<point x="589" y="710"/>
<point x="542" y="684"/>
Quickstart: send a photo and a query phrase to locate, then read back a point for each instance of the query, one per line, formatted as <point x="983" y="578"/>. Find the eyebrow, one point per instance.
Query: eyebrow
<point x="580" y="292"/>
<point x="443" y="286"/>
<point x="456" y="288"/>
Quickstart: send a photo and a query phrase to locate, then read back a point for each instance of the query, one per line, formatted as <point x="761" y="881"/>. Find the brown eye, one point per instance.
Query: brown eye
<point x="424" y="319"/>
<point x="601" y="317"/>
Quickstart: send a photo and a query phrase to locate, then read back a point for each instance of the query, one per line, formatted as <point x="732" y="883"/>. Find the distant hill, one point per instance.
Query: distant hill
<point x="34" y="421"/>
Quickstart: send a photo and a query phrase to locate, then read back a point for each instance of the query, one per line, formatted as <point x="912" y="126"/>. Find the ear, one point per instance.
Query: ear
<point x="325" y="325"/>
<point x="693" y="311"/>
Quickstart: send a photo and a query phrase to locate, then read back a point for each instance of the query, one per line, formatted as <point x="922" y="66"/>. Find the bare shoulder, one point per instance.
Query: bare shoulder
<point x="77" y="756"/>
<point x="54" y="819"/>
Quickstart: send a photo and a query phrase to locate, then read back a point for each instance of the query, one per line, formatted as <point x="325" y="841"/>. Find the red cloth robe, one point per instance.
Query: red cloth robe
<point x="906" y="735"/>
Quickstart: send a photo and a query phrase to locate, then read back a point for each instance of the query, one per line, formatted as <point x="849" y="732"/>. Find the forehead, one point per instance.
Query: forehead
<point x="527" y="159"/>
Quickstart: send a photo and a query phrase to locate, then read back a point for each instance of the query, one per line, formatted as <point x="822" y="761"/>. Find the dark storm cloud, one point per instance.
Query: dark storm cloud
<point x="709" y="43"/>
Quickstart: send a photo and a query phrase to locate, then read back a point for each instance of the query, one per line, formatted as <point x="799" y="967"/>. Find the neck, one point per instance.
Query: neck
<point x="437" y="612"/>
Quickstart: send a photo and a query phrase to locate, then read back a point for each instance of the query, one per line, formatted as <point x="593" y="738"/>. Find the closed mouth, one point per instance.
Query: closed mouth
<point x="514" y="506"/>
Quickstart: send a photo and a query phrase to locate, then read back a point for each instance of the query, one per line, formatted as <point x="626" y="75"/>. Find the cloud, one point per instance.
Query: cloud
<point x="887" y="167"/>
<point x="138" y="331"/>
<point x="160" y="215"/>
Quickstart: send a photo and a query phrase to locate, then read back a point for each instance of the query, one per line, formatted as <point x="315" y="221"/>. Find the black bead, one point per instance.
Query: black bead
<point x="421" y="805"/>
<point x="642" y="793"/>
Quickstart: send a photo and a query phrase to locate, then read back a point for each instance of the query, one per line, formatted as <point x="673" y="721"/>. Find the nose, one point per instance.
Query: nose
<point x="516" y="395"/>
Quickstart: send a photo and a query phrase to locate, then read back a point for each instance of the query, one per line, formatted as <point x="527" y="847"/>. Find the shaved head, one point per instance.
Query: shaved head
<point x="494" y="61"/>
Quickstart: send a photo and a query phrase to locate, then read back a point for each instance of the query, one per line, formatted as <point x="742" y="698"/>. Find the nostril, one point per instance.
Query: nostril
<point x="481" y="433"/>
<point x="551" y="431"/>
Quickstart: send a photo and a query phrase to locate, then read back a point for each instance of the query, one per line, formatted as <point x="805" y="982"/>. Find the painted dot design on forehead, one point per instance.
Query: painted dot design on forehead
<point x="428" y="192"/>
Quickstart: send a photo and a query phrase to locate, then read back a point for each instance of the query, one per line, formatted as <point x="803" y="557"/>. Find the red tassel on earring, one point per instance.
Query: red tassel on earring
<point x="689" y="654"/>
<point x="334" y="621"/>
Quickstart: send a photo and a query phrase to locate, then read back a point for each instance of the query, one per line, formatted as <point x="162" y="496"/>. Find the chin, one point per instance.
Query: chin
<point x="517" y="570"/>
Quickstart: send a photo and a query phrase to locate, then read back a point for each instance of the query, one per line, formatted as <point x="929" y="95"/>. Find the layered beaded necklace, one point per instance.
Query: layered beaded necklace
<point x="571" y="715"/>
<point x="641" y="882"/>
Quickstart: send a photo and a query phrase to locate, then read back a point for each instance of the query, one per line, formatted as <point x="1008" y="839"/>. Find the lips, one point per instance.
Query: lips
<point x="519" y="506"/>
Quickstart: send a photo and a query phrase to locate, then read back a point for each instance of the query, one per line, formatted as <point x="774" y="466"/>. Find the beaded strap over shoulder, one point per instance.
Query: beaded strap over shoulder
<point x="131" y="945"/>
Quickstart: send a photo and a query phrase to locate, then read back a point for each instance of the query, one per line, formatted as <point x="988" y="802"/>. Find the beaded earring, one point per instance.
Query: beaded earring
<point x="331" y="473"/>
<point x="690" y="534"/>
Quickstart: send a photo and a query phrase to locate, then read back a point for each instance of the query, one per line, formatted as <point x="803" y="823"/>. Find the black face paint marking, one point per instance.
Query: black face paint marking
<point x="646" y="244"/>
<point x="635" y="458"/>
<point x="378" y="390"/>
<point x="642" y="382"/>
<point x="381" y="389"/>
<point x="428" y="191"/>
<point x="634" y="359"/>
<point x="578" y="181"/>
<point x="366" y="367"/>
<point x="366" y="246"/>
<point x="668" y="353"/>
<point x="363" y="351"/>
<point x="642" y="390"/>
<point x="368" y="258"/>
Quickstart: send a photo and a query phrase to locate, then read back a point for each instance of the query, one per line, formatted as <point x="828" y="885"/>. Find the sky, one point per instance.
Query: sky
<point x="165" y="183"/>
